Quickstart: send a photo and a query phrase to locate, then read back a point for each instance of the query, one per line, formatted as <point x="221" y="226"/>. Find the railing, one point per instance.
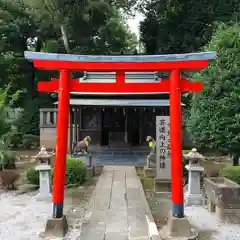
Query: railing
<point x="48" y="117"/>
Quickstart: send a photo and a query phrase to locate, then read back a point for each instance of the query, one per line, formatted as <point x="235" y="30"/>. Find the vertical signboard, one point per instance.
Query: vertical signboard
<point x="163" y="147"/>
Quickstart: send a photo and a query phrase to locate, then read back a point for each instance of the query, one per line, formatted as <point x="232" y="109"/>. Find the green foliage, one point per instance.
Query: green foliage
<point x="32" y="176"/>
<point x="4" y="126"/>
<point x="7" y="157"/>
<point x="75" y="173"/>
<point x="115" y="36"/>
<point x="52" y="26"/>
<point x="183" y="26"/>
<point x="9" y="160"/>
<point x="14" y="138"/>
<point x="232" y="173"/>
<point x="29" y="140"/>
<point x="28" y="120"/>
<point x="215" y="114"/>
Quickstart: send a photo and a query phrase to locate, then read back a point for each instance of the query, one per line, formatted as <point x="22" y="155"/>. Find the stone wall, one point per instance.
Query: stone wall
<point x="48" y="137"/>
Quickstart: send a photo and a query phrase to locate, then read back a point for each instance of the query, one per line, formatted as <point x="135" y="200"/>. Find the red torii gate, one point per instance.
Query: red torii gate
<point x="173" y="63"/>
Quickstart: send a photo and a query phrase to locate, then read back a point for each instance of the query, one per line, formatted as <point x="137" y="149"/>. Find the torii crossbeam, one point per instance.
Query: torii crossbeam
<point x="173" y="63"/>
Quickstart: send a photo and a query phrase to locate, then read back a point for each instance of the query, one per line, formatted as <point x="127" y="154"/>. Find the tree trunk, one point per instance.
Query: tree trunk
<point x="235" y="160"/>
<point x="65" y="38"/>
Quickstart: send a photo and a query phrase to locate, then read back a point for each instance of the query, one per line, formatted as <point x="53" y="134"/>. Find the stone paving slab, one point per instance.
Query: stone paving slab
<point x="117" y="210"/>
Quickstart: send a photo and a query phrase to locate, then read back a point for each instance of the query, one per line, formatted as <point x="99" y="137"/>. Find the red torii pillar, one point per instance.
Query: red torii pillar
<point x="174" y="64"/>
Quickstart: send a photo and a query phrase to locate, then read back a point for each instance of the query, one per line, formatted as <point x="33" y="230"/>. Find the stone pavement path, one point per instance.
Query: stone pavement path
<point x="118" y="207"/>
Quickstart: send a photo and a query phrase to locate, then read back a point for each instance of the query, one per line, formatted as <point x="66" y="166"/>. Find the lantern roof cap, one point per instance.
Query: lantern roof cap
<point x="194" y="154"/>
<point x="43" y="153"/>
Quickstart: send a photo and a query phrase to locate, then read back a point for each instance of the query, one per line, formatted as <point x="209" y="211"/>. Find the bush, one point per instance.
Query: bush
<point x="232" y="173"/>
<point x="9" y="160"/>
<point x="30" y="140"/>
<point x="4" y="126"/>
<point x="14" y="139"/>
<point x="75" y="173"/>
<point x="32" y="176"/>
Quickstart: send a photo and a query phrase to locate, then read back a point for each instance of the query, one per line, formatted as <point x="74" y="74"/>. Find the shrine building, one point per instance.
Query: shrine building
<point x="112" y="120"/>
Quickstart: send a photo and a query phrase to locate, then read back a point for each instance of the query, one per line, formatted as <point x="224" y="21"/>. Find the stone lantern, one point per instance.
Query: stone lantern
<point x="193" y="196"/>
<point x="43" y="156"/>
<point x="44" y="168"/>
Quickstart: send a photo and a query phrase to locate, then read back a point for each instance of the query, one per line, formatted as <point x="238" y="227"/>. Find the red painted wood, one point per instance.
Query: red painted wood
<point x="120" y="87"/>
<point x="120" y="77"/>
<point x="124" y="66"/>
<point x="62" y="137"/>
<point x="176" y="138"/>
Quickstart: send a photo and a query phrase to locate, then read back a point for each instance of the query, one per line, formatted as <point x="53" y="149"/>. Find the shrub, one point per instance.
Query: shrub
<point x="9" y="160"/>
<point x="32" y="176"/>
<point x="4" y="126"/>
<point x="75" y="173"/>
<point x="14" y="139"/>
<point x="30" y="140"/>
<point x="232" y="173"/>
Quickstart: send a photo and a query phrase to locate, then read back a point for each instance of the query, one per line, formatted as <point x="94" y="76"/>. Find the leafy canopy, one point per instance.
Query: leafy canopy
<point x="215" y="114"/>
<point x="179" y="26"/>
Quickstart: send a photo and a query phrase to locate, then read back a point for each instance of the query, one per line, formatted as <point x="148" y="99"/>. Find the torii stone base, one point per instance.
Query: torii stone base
<point x="178" y="229"/>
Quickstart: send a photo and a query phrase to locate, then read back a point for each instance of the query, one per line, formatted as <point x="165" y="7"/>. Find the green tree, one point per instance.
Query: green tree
<point x="215" y="113"/>
<point x="180" y="26"/>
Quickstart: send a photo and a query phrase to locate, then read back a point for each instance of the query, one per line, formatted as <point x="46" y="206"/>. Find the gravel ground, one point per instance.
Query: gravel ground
<point x="24" y="218"/>
<point x="208" y="222"/>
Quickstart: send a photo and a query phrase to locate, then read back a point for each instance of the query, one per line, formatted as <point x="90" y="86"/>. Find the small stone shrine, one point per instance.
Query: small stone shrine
<point x="193" y="196"/>
<point x="44" y="168"/>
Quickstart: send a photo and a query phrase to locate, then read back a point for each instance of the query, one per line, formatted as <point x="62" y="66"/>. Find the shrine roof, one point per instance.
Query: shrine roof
<point x="121" y="102"/>
<point x="123" y="58"/>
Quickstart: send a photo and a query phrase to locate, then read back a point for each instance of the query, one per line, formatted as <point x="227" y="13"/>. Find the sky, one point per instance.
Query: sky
<point x="134" y="23"/>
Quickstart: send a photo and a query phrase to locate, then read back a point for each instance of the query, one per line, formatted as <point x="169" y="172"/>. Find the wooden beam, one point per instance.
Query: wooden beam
<point x="120" y="87"/>
<point x="122" y="66"/>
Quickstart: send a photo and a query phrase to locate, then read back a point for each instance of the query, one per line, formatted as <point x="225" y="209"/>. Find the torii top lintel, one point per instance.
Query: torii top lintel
<point x="120" y="64"/>
<point x="167" y="62"/>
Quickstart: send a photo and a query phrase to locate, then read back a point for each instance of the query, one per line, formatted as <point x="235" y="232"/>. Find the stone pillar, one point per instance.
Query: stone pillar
<point x="45" y="186"/>
<point x="48" y="118"/>
<point x="55" y="117"/>
<point x="41" y="118"/>
<point x="194" y="196"/>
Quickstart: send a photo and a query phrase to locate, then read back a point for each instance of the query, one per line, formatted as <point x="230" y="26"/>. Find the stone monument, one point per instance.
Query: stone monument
<point x="163" y="164"/>
<point x="193" y="196"/>
<point x="44" y="168"/>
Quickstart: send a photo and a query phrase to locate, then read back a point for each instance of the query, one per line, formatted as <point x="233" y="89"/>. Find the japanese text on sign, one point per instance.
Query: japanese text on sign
<point x="163" y="140"/>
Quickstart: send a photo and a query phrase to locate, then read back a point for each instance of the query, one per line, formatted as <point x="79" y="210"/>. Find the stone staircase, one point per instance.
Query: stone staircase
<point x="115" y="156"/>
